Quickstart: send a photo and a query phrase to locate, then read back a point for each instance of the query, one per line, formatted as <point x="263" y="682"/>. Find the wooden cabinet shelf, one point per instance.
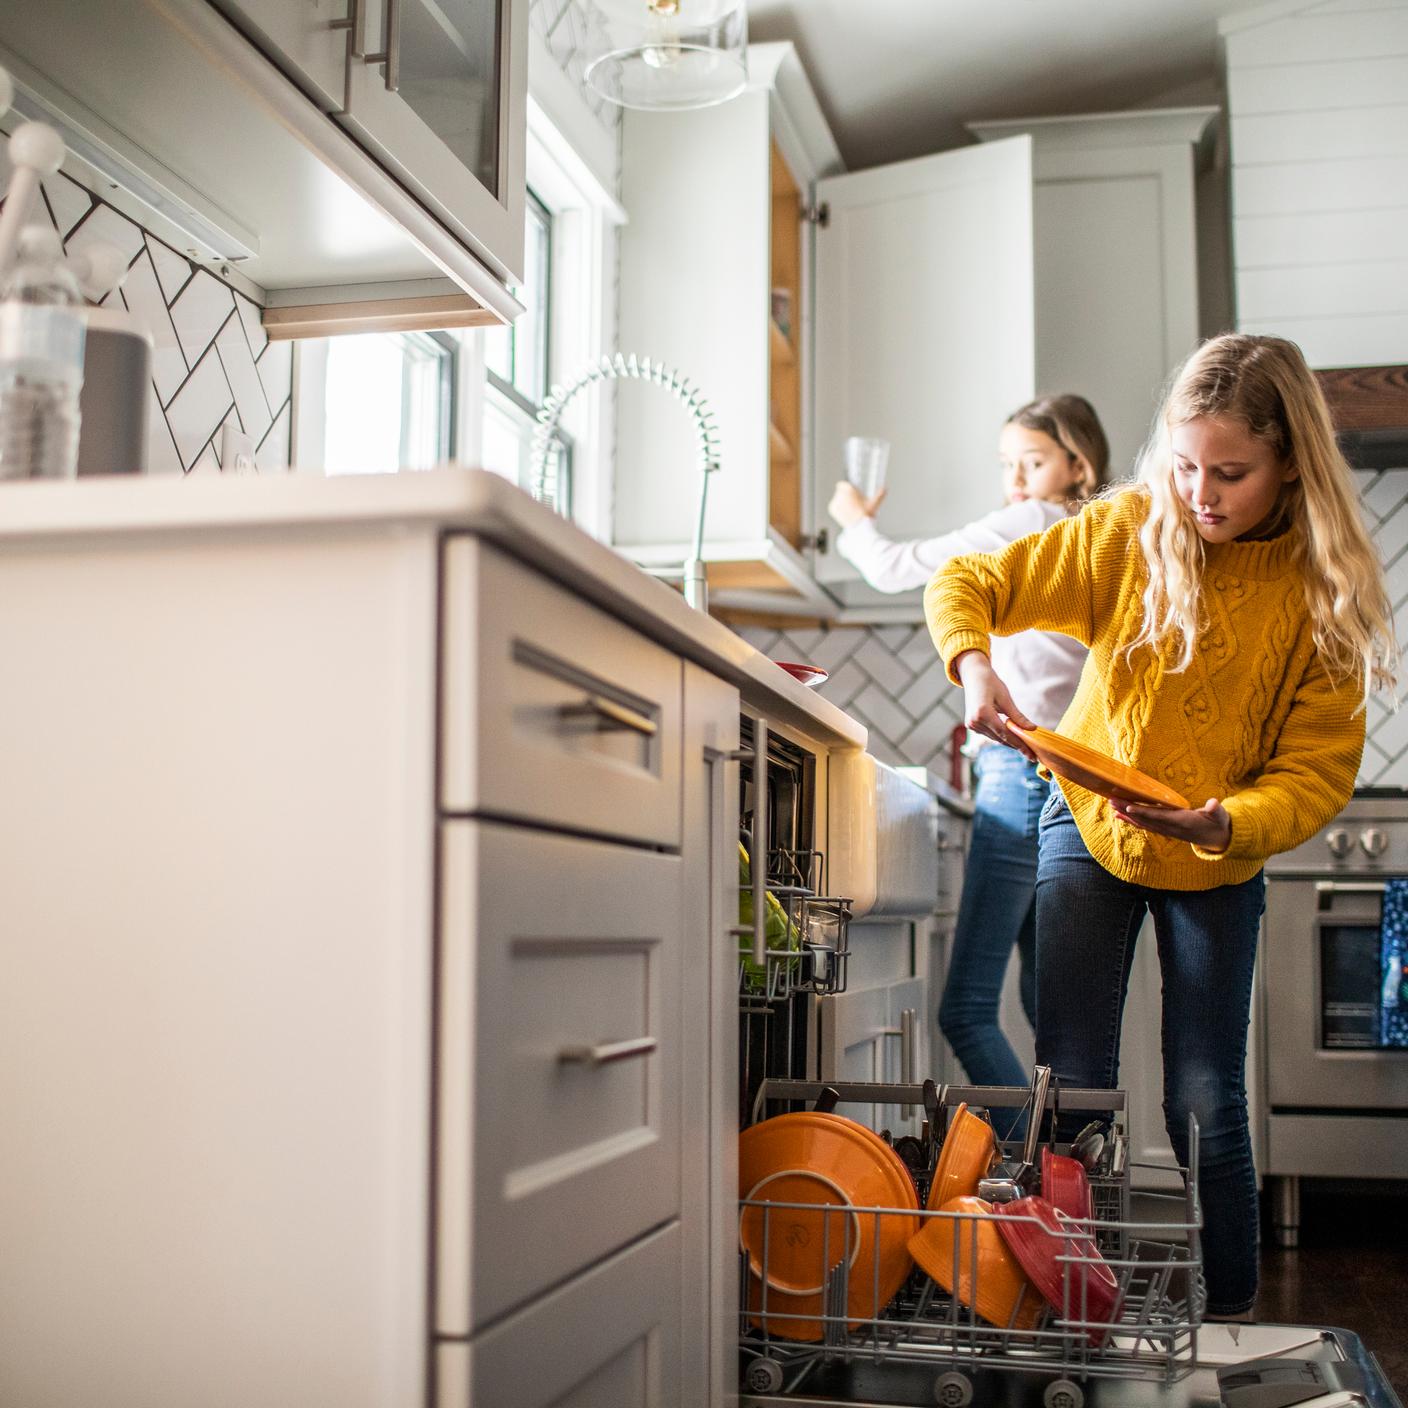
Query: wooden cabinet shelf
<point x="779" y="446"/>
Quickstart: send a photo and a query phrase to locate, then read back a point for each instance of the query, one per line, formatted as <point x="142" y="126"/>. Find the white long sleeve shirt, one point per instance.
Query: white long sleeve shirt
<point x="1040" y="668"/>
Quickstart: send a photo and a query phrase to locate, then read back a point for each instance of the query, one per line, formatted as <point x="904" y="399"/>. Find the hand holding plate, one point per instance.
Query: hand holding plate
<point x="987" y="704"/>
<point x="1208" y="826"/>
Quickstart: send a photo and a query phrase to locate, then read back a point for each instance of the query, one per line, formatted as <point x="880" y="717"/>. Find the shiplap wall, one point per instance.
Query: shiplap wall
<point x="1318" y="95"/>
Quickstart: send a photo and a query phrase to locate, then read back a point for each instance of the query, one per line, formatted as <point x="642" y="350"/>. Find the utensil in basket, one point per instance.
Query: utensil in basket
<point x="1015" y="1179"/>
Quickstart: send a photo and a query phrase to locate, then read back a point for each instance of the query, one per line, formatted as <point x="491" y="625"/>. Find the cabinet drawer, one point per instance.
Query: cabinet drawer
<point x="551" y="710"/>
<point x="558" y="1062"/>
<point x="610" y="1339"/>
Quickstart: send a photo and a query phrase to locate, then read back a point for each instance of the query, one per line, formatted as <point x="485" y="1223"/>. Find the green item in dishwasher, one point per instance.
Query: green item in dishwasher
<point x="780" y="931"/>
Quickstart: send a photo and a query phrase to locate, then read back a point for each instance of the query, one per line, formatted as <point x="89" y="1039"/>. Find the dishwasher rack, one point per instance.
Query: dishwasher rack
<point x="815" y="956"/>
<point x="923" y="1336"/>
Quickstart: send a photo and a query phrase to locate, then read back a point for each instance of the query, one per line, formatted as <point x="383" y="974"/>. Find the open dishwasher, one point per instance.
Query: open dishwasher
<point x="850" y="1338"/>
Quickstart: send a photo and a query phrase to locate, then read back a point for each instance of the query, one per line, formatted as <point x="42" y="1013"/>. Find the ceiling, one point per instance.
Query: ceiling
<point x="898" y="78"/>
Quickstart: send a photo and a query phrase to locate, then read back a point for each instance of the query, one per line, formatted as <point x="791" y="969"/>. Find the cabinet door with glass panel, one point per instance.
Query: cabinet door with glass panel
<point x="436" y="90"/>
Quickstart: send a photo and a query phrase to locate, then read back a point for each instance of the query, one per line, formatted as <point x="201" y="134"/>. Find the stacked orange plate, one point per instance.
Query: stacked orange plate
<point x="831" y="1166"/>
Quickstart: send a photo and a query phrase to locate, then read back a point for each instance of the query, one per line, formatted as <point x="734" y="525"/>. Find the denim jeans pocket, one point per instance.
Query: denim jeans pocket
<point x="1053" y="804"/>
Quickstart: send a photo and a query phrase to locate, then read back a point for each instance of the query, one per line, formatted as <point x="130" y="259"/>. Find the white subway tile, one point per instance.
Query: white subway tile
<point x="172" y="269"/>
<point x="199" y="407"/>
<point x="199" y="312"/>
<point x="142" y="294"/>
<point x="244" y="380"/>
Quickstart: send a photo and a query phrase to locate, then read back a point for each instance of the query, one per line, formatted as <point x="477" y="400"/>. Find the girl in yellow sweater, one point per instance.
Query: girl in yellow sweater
<point x="1236" y="617"/>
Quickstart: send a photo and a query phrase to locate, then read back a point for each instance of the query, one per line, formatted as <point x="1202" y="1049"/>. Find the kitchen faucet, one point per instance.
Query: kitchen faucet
<point x="545" y="447"/>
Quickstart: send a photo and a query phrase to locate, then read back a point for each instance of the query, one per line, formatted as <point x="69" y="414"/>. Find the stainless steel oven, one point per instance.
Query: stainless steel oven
<point x="1336" y="1005"/>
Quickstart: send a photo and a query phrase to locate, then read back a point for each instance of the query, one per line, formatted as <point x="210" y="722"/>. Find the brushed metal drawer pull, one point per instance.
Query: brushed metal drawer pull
<point x="610" y="714"/>
<point x="605" y="1052"/>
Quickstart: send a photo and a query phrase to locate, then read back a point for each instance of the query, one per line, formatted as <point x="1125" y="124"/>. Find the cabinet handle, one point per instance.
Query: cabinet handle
<point x="760" y="842"/>
<point x="609" y="715"/>
<point x="758" y="756"/>
<point x="390" y="51"/>
<point x="393" y="45"/>
<point x="604" y="1052"/>
<point x="906" y="1032"/>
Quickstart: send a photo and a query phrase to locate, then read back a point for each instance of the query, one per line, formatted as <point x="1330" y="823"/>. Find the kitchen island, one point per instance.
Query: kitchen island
<point x="368" y="848"/>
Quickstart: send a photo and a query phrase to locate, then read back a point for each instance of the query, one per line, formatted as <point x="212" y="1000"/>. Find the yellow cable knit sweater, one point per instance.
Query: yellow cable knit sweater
<point x="1255" y="720"/>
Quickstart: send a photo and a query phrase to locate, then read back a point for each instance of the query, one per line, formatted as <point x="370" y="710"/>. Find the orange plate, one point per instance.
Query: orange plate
<point x="836" y="1165"/>
<point x="968" y="1152"/>
<point x="1095" y="771"/>
<point x="969" y="1244"/>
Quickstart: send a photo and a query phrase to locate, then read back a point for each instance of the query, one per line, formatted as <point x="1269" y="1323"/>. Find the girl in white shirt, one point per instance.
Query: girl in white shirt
<point x="1054" y="455"/>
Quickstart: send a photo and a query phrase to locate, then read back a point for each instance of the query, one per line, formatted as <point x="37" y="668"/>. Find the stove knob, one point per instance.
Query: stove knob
<point x="1339" y="841"/>
<point x="1373" y="842"/>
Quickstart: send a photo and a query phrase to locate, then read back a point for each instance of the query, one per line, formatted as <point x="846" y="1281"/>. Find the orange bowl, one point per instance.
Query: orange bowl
<point x="833" y="1166"/>
<point x="947" y="1249"/>
<point x="968" y="1152"/>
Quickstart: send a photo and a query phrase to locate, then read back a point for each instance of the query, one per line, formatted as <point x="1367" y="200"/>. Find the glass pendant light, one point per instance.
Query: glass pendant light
<point x="667" y="55"/>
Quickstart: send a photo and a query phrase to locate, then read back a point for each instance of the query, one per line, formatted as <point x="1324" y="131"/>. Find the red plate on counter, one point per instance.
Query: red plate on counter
<point x="809" y="675"/>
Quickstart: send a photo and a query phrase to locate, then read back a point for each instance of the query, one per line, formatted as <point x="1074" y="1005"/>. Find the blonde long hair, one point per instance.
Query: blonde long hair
<point x="1265" y="383"/>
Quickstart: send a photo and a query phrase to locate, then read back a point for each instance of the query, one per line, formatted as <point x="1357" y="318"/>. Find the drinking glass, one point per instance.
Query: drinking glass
<point x="866" y="458"/>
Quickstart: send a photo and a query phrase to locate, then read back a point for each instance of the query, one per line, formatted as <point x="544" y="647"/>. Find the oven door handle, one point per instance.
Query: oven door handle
<point x="1350" y="887"/>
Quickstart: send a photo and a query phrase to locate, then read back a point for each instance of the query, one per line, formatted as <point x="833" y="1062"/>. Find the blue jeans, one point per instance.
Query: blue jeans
<point x="995" y="912"/>
<point x="1087" y="921"/>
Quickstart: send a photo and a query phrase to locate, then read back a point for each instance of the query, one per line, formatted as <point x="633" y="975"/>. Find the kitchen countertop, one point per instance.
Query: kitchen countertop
<point x="455" y="500"/>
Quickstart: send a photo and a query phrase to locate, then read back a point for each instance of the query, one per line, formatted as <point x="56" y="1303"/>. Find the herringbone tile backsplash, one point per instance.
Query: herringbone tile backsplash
<point x="212" y="365"/>
<point x="890" y="679"/>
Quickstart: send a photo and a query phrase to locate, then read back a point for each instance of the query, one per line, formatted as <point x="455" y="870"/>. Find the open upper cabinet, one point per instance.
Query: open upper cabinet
<point x="808" y="305"/>
<point x="921" y="302"/>
<point x="351" y="167"/>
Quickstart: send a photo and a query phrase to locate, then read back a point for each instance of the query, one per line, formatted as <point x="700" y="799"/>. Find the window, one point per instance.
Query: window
<point x="379" y="403"/>
<point x="518" y="373"/>
<point x="387" y="401"/>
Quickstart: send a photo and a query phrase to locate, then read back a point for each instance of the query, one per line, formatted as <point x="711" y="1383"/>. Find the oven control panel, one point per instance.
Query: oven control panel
<point x="1369" y="837"/>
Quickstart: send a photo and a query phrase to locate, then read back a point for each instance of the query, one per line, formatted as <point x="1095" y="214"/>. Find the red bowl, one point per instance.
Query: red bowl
<point x="1065" y="1185"/>
<point x="810" y="675"/>
<point x="1063" y="1262"/>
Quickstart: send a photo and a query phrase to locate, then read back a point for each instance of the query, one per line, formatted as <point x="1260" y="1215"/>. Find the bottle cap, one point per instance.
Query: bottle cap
<point x="40" y="242"/>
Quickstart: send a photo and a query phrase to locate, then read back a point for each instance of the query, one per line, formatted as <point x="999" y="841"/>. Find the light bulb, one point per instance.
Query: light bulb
<point x="694" y="13"/>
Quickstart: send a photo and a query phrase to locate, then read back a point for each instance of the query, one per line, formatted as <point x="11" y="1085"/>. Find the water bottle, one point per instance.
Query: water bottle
<point x="41" y="361"/>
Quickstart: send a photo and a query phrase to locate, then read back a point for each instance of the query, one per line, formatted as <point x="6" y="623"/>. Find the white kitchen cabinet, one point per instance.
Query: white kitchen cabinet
<point x="1116" y="251"/>
<point x="611" y="1339"/>
<point x="554" y="712"/>
<point x="728" y="205"/>
<point x="356" y="1100"/>
<point x="876" y="1034"/>
<point x="558" y="1060"/>
<point x="437" y="91"/>
<point x="270" y="154"/>
<point x="717" y="200"/>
